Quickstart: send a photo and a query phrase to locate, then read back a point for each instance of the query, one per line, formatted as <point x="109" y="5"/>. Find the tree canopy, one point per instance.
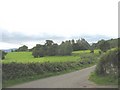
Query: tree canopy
<point x="2" y="54"/>
<point x="49" y="48"/>
<point x="22" y="48"/>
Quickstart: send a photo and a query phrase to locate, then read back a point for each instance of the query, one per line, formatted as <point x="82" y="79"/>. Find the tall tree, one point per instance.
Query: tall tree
<point x="49" y="42"/>
<point x="52" y="50"/>
<point x="23" y="48"/>
<point x="65" y="48"/>
<point x="76" y="47"/>
<point x="73" y="41"/>
<point x="80" y="45"/>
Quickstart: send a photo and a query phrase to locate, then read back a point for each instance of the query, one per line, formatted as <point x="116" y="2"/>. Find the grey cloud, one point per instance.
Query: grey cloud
<point x="16" y="37"/>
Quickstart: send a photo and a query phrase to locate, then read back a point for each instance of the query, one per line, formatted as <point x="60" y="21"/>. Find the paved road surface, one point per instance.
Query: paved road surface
<point x="77" y="79"/>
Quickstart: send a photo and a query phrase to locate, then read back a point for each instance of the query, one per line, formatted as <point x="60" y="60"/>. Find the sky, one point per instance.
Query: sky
<point x="29" y="22"/>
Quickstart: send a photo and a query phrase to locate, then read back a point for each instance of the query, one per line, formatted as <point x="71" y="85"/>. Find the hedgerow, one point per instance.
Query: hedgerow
<point x="18" y="70"/>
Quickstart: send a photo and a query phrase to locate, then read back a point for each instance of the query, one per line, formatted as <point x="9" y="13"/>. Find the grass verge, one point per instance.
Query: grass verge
<point x="103" y="80"/>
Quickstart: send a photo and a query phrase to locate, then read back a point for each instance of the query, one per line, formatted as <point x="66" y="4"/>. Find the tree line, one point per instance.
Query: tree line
<point x="104" y="45"/>
<point x="52" y="49"/>
<point x="66" y="47"/>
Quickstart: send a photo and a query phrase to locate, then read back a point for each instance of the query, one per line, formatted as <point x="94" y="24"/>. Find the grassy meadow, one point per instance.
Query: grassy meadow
<point x="26" y="57"/>
<point x="103" y="80"/>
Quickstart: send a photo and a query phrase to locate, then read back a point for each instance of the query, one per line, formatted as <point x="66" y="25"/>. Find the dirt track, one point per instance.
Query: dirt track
<point x="77" y="79"/>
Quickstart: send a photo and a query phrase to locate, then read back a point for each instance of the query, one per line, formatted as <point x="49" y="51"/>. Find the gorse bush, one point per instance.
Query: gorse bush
<point x="18" y="70"/>
<point x="108" y="64"/>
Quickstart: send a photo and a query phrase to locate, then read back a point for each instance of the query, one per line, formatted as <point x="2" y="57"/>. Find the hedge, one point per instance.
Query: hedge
<point x="108" y="64"/>
<point x="17" y="70"/>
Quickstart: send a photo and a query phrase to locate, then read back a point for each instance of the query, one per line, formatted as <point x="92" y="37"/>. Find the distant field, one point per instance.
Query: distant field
<point x="85" y="51"/>
<point x="26" y="57"/>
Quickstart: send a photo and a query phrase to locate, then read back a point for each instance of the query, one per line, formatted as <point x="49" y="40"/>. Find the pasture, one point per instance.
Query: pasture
<point x="26" y="57"/>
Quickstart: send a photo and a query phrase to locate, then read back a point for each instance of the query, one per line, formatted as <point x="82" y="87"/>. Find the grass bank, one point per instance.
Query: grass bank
<point x="103" y="80"/>
<point x="26" y="57"/>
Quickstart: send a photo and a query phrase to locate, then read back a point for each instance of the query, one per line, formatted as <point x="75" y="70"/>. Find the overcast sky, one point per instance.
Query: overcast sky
<point x="33" y="21"/>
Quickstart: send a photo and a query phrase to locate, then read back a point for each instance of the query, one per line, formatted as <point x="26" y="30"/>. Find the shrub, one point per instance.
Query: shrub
<point x="92" y="51"/>
<point x="108" y="64"/>
<point x="104" y="46"/>
<point x="38" y="52"/>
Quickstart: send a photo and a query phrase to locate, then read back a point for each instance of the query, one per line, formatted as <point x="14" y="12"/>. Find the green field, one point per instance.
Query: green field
<point x="26" y="57"/>
<point x="103" y="80"/>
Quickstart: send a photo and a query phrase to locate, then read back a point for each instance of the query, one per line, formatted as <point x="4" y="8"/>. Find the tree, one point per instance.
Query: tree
<point x="113" y="43"/>
<point x="80" y="45"/>
<point x="23" y="48"/>
<point x="65" y="48"/>
<point x="38" y="51"/>
<point x="73" y="41"/>
<point x="52" y="50"/>
<point x="75" y="46"/>
<point x="94" y="46"/>
<point x="35" y="53"/>
<point x="2" y="54"/>
<point x="84" y="44"/>
<point x="49" y="42"/>
<point x="104" y="45"/>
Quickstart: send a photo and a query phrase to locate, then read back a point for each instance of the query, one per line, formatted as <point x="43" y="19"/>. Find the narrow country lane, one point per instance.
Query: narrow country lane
<point x="77" y="79"/>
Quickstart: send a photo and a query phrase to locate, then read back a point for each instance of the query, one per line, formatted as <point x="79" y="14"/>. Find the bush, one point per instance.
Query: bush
<point x="104" y="46"/>
<point x="38" y="52"/>
<point x="108" y="64"/>
<point x="92" y="51"/>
